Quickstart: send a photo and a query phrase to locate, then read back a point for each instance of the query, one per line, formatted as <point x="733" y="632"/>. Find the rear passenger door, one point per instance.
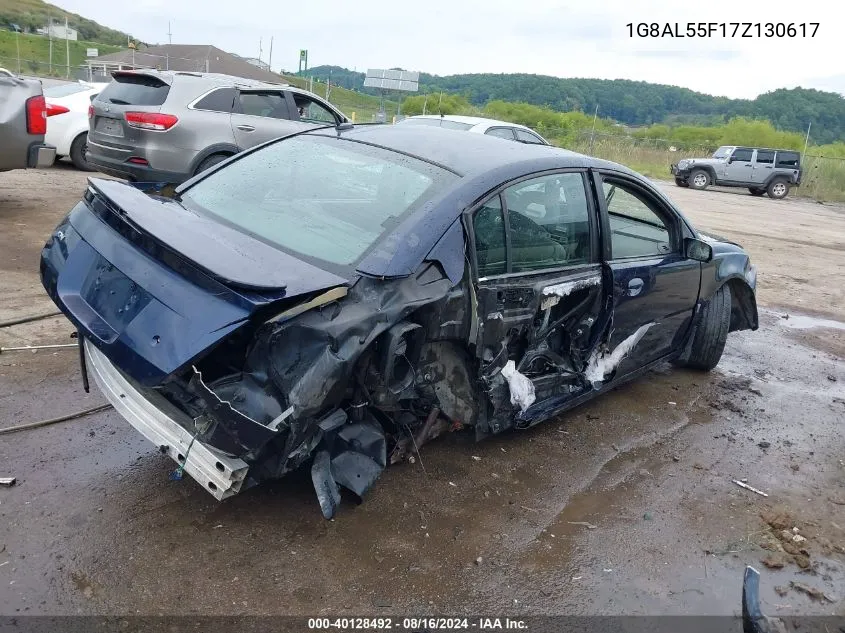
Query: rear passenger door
<point x="262" y="115"/>
<point x="763" y="166"/>
<point x="538" y="282"/>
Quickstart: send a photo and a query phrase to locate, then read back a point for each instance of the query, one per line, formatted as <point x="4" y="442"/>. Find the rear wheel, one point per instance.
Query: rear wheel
<point x="699" y="179"/>
<point x="756" y="192"/>
<point x="211" y="161"/>
<point x="778" y="189"/>
<point x="78" y="149"/>
<point x="709" y="339"/>
<point x="681" y="182"/>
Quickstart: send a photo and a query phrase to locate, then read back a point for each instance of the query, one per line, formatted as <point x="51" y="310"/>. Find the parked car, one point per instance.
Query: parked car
<point x="23" y="123"/>
<point x="761" y="170"/>
<point x="167" y="126"/>
<point x="67" y="119"/>
<point x="479" y="125"/>
<point x="342" y="296"/>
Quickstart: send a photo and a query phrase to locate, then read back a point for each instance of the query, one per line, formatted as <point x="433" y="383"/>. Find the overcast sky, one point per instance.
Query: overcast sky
<point x="564" y="38"/>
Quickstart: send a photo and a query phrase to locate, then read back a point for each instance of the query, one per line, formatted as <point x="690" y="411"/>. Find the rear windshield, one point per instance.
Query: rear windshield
<point x="444" y="123"/>
<point x="141" y="90"/>
<point x="64" y="90"/>
<point x="325" y="200"/>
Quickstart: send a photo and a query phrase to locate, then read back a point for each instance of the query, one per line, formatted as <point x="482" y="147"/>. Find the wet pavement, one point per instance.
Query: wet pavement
<point x="625" y="505"/>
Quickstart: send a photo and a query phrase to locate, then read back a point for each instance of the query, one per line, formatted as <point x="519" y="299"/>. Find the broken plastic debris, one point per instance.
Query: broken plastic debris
<point x="7" y="481"/>
<point x="521" y="387"/>
<point x="476" y="458"/>
<point x="751" y="488"/>
<point x="603" y="363"/>
<point x="589" y="526"/>
<point x="798" y="538"/>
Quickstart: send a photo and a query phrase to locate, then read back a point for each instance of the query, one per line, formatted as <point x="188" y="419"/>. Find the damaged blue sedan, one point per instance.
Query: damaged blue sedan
<point x="337" y="298"/>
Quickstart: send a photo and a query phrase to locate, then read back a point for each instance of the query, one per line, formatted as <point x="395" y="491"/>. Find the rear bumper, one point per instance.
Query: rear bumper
<point x="219" y="474"/>
<point x="41" y="155"/>
<point x="129" y="171"/>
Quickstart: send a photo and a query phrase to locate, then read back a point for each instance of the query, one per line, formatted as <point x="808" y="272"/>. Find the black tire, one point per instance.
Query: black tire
<point x="211" y="161"/>
<point x="699" y="179"/>
<point x="709" y="339"/>
<point x="778" y="189"/>
<point x="756" y="192"/>
<point x="77" y="153"/>
<point x="681" y="182"/>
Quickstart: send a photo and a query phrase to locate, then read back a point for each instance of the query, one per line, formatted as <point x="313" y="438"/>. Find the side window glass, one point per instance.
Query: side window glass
<point x="501" y="132"/>
<point x="488" y="225"/>
<point x="765" y="157"/>
<point x="636" y="229"/>
<point x="527" y="137"/>
<point x="549" y="222"/>
<point x="218" y="101"/>
<point x="311" y="111"/>
<point x="267" y="104"/>
<point x="742" y="155"/>
<point x="788" y="160"/>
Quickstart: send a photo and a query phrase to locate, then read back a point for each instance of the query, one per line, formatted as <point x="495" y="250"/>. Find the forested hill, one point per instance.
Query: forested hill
<point x="632" y="102"/>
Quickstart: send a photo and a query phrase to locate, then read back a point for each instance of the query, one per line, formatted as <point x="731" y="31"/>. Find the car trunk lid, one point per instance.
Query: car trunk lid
<point x="155" y="286"/>
<point x="110" y="133"/>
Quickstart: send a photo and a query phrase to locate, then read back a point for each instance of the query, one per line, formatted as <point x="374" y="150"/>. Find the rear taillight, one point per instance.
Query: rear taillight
<point x="90" y="112"/>
<point x="36" y="115"/>
<point x="53" y="109"/>
<point x="151" y="121"/>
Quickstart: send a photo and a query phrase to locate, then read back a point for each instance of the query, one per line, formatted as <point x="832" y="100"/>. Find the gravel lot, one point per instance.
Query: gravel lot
<point x="625" y="505"/>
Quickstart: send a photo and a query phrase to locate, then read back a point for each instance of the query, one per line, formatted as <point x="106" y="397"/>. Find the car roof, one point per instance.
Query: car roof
<point x="470" y="120"/>
<point x="470" y="154"/>
<point x="213" y="78"/>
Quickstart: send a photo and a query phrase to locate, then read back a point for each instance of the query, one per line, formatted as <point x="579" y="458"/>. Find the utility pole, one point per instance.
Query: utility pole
<point x="260" y="50"/>
<point x="593" y="132"/>
<point x="270" y="63"/>
<point x="169" y="34"/>
<point x="67" y="49"/>
<point x="50" y="35"/>
<point x="807" y="140"/>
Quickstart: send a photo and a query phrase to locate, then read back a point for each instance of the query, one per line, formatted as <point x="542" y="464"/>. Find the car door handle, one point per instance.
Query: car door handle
<point x="635" y="286"/>
<point x="246" y="128"/>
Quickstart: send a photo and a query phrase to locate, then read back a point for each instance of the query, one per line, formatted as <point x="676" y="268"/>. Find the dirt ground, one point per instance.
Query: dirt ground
<point x="623" y="506"/>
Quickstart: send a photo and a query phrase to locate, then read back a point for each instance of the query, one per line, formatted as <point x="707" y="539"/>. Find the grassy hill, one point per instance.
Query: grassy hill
<point x="35" y="53"/>
<point x="633" y="102"/>
<point x="33" y="14"/>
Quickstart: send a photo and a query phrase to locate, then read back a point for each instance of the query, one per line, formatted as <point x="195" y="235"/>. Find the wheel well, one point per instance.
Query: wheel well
<point x="707" y="168"/>
<point x="743" y="306"/>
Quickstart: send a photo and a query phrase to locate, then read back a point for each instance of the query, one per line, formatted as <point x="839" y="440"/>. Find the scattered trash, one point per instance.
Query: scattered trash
<point x="672" y="403"/>
<point x="589" y="526"/>
<point x="675" y="458"/>
<point x="648" y="516"/>
<point x="798" y="538"/>
<point x="452" y="483"/>
<point x="577" y="577"/>
<point x="831" y="378"/>
<point x="795" y="530"/>
<point x="7" y="481"/>
<point x="815" y="594"/>
<point x="476" y="458"/>
<point x="607" y="571"/>
<point x="781" y="590"/>
<point x="764" y="444"/>
<point x="698" y="466"/>
<point x="479" y="560"/>
<point x="751" y="488"/>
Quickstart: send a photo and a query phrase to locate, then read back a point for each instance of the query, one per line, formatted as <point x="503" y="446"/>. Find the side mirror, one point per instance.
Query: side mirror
<point x="699" y="250"/>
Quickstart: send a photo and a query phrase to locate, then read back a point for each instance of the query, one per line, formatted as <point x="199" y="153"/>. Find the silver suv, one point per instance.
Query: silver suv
<point x="761" y="170"/>
<point x="167" y="126"/>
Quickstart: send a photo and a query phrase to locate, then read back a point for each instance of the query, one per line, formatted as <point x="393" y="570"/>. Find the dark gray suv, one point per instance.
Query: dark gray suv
<point x="167" y="126"/>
